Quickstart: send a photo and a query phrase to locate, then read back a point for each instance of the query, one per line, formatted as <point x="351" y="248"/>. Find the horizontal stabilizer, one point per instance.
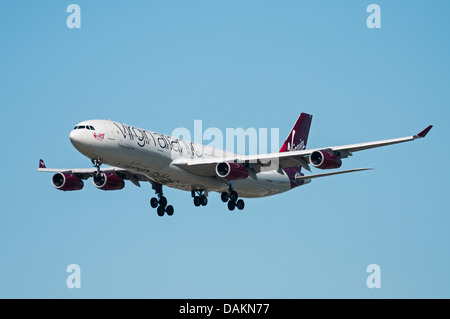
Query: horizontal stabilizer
<point x="331" y="173"/>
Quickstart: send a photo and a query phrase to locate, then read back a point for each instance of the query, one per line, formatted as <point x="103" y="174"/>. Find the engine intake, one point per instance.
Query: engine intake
<point x="67" y="182"/>
<point x="231" y="171"/>
<point x="324" y="160"/>
<point x="108" y="181"/>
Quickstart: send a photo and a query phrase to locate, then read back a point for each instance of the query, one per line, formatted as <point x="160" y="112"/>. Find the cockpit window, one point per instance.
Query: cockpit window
<point x="82" y="127"/>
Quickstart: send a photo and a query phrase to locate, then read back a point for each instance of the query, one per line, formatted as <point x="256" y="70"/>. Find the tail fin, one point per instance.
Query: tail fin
<point x="298" y="136"/>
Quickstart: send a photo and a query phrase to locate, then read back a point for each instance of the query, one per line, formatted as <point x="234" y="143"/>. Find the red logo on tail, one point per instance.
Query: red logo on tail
<point x="298" y="136"/>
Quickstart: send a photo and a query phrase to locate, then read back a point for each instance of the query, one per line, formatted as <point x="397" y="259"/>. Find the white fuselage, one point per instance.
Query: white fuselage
<point x="152" y="154"/>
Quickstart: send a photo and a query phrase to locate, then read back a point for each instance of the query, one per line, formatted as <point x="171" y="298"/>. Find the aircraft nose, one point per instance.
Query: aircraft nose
<point x="76" y="138"/>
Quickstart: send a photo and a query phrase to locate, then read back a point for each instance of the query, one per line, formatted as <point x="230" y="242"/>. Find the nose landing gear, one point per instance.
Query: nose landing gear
<point x="97" y="163"/>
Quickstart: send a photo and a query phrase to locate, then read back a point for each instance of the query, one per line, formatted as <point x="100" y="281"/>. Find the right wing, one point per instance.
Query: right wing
<point x="285" y="159"/>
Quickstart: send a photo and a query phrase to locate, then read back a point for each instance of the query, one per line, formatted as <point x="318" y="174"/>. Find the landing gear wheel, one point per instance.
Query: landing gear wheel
<point x="224" y="197"/>
<point x="162" y="201"/>
<point x="240" y="204"/>
<point x="154" y="202"/>
<point x="200" y="197"/>
<point x="233" y="196"/>
<point x="231" y="205"/>
<point x="160" y="211"/>
<point x="169" y="210"/>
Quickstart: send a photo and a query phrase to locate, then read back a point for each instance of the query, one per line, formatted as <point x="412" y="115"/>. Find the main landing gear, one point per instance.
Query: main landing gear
<point x="232" y="198"/>
<point x="160" y="203"/>
<point x="200" y="197"/>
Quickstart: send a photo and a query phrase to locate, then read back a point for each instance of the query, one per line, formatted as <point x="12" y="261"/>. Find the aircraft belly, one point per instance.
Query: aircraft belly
<point x="176" y="177"/>
<point x="267" y="184"/>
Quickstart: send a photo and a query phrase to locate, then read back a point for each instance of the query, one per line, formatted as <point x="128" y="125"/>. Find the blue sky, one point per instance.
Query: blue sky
<point x="161" y="65"/>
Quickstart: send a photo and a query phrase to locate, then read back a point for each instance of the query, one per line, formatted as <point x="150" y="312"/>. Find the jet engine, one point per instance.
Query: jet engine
<point x="108" y="181"/>
<point x="324" y="160"/>
<point x="231" y="171"/>
<point x="67" y="182"/>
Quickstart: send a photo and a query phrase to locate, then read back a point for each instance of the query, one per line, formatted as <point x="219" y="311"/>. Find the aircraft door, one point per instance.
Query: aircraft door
<point x="111" y="131"/>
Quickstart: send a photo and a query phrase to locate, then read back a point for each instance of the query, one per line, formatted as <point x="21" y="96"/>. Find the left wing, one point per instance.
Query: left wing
<point x="85" y="173"/>
<point x="286" y="159"/>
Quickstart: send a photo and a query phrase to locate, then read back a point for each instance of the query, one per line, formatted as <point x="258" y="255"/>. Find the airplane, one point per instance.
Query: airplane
<point x="140" y="155"/>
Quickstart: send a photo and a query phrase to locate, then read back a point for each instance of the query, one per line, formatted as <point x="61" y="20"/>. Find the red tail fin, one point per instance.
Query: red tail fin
<point x="298" y="136"/>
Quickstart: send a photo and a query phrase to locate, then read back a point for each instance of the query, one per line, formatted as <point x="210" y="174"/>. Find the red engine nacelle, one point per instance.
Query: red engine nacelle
<point x="108" y="181"/>
<point x="67" y="182"/>
<point x="231" y="171"/>
<point x="324" y="160"/>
